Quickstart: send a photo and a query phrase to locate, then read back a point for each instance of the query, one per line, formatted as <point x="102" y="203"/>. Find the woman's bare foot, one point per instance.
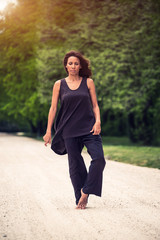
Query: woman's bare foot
<point x="82" y="201"/>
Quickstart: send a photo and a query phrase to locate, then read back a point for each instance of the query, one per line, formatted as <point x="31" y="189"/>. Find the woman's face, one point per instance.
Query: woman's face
<point x="73" y="65"/>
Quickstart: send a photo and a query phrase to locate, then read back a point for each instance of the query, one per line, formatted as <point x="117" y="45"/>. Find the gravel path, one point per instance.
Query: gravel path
<point x="37" y="201"/>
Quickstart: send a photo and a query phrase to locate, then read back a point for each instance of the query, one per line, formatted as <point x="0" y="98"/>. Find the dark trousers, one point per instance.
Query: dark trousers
<point x="90" y="181"/>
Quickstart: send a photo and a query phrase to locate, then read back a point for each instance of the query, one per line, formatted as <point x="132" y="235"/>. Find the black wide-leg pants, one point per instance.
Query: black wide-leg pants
<point x="90" y="181"/>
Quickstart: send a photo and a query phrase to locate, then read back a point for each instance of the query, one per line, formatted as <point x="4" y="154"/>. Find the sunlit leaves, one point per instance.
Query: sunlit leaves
<point x="121" y="39"/>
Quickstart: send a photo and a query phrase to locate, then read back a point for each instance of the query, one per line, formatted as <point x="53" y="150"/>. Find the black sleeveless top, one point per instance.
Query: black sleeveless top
<point x="75" y="117"/>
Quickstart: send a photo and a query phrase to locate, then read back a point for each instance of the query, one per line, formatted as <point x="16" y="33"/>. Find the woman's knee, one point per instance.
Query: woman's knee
<point x="99" y="162"/>
<point x="102" y="162"/>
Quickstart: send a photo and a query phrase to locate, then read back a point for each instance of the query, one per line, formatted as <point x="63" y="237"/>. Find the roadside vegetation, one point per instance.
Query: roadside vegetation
<point x="121" y="39"/>
<point x="122" y="150"/>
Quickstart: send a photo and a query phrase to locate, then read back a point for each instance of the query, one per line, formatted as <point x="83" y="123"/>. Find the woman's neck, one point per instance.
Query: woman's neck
<point x="73" y="78"/>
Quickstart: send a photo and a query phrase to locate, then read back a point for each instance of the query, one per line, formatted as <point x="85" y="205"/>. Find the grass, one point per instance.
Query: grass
<point x="122" y="150"/>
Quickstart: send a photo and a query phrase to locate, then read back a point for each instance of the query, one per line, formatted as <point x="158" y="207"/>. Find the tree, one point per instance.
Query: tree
<point x="121" y="39"/>
<point x="18" y="43"/>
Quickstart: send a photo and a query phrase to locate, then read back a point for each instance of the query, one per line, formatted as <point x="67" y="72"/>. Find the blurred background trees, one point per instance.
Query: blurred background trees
<point x="121" y="39"/>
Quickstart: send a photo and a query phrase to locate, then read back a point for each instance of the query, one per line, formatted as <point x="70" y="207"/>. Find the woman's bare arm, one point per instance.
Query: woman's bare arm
<point x="97" y="126"/>
<point x="52" y="112"/>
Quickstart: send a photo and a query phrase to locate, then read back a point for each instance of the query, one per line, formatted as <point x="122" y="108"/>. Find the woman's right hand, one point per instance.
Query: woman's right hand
<point x="47" y="138"/>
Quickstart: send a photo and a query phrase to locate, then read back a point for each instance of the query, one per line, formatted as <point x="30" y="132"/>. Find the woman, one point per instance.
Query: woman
<point x="77" y="125"/>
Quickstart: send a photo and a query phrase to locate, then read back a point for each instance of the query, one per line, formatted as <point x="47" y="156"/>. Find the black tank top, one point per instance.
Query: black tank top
<point x="75" y="117"/>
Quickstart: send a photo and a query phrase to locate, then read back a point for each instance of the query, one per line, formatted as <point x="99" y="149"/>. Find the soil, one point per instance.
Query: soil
<point x="37" y="200"/>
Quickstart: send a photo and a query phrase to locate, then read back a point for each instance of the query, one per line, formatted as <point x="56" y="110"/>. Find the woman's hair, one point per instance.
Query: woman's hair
<point x="85" y="70"/>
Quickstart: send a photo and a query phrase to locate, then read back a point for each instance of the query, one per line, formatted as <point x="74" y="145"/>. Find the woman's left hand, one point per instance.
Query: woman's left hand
<point x="96" y="128"/>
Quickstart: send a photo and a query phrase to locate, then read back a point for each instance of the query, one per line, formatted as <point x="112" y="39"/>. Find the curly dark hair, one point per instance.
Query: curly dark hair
<point x="85" y="70"/>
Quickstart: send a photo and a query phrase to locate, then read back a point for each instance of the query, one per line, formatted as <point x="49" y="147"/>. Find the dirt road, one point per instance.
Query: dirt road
<point x="37" y="201"/>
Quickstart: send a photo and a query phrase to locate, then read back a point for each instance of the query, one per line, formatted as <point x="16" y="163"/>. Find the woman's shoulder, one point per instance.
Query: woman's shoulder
<point x="90" y="82"/>
<point x="57" y="83"/>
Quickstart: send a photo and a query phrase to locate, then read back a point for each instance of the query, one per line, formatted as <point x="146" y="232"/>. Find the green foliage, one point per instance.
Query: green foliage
<point x="18" y="66"/>
<point x="121" y="39"/>
<point x="49" y="69"/>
